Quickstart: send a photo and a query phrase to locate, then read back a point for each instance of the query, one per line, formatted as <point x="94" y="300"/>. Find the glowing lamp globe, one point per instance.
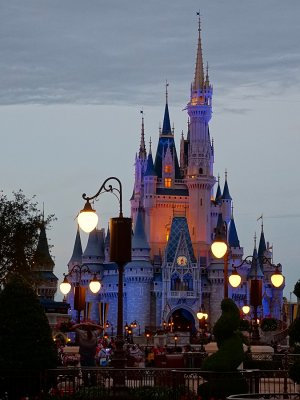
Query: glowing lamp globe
<point x="87" y="218"/>
<point x="94" y="285"/>
<point x="277" y="279"/>
<point x="65" y="286"/>
<point x="219" y="249"/>
<point x="235" y="279"/>
<point x="200" y="314"/>
<point x="246" y="309"/>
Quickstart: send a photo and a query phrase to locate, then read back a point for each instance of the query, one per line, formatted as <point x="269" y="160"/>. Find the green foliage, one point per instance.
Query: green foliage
<point x="294" y="334"/>
<point x="26" y="343"/>
<point x="269" y="324"/>
<point x="244" y="325"/>
<point x="294" y="372"/>
<point x="19" y="229"/>
<point x="227" y="359"/>
<point x="228" y="322"/>
<point x="296" y="290"/>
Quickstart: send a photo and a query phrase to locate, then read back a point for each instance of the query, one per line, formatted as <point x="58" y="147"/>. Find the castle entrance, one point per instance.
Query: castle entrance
<point x="183" y="321"/>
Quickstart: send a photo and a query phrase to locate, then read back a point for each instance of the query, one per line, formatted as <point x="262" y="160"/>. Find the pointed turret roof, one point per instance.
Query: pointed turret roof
<point x="226" y="194"/>
<point x="218" y="193"/>
<point x="255" y="269"/>
<point x="77" y="250"/>
<point x="150" y="170"/>
<point x="233" y="239"/>
<point x="199" y="71"/>
<point x="107" y="238"/>
<point x="262" y="243"/>
<point x="166" y="129"/>
<point x="95" y="244"/>
<point x="139" y="240"/>
<point x="42" y="255"/>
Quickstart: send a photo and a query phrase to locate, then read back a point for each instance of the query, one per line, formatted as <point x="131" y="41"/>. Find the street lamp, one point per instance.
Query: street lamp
<point x="220" y="249"/>
<point x="79" y="291"/>
<point x="134" y="324"/>
<point x="175" y="340"/>
<point x="109" y="324"/>
<point x="120" y="252"/>
<point x="202" y="317"/>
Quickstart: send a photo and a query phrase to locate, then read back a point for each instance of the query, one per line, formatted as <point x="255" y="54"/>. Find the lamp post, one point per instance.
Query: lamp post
<point x="175" y="340"/>
<point x="79" y="291"/>
<point x="202" y="317"/>
<point x="109" y="324"/>
<point x="120" y="253"/>
<point x="134" y="324"/>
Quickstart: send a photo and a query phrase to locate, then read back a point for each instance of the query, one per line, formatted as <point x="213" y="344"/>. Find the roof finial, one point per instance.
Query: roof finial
<point x="255" y="240"/>
<point x="232" y="210"/>
<point x="142" y="152"/>
<point x="262" y="222"/>
<point x="167" y="84"/>
<point x="199" y="22"/>
<point x="218" y="179"/>
<point x="150" y="145"/>
<point x="43" y="212"/>
<point x="225" y="174"/>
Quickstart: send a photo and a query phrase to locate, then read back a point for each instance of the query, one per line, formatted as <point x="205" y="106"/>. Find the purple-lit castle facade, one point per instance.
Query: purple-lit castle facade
<point x="176" y="205"/>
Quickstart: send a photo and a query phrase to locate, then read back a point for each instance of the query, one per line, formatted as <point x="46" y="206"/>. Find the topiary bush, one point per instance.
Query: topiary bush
<point x="27" y="347"/>
<point x="269" y="324"/>
<point x="227" y="359"/>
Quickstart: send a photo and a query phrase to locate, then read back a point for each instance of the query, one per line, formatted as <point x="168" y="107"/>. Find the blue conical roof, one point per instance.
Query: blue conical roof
<point x="218" y="194"/>
<point x="139" y="240"/>
<point x="166" y="129"/>
<point x="262" y="245"/>
<point x="107" y="238"/>
<point x="233" y="239"/>
<point x="95" y="244"/>
<point x="77" y="250"/>
<point x="255" y="269"/>
<point x="150" y="171"/>
<point x="226" y="194"/>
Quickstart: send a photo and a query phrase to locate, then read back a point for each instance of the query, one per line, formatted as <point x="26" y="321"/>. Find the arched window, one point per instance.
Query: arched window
<point x="188" y="282"/>
<point x="168" y="169"/>
<point x="175" y="282"/>
<point x="168" y="182"/>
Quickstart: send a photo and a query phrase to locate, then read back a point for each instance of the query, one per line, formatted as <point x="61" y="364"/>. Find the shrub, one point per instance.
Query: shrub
<point x="269" y="324"/>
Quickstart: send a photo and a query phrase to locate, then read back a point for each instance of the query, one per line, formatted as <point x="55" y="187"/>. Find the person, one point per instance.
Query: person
<point x="87" y="334"/>
<point x="87" y="339"/>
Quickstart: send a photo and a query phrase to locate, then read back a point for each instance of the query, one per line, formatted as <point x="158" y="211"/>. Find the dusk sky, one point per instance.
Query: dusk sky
<point x="75" y="74"/>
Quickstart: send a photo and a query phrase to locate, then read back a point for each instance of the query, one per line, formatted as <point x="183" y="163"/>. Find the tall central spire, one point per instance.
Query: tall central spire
<point x="142" y="151"/>
<point x="199" y="70"/>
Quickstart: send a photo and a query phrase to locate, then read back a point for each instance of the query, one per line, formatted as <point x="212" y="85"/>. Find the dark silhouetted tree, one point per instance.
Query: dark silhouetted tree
<point x="20" y="221"/>
<point x="26" y="341"/>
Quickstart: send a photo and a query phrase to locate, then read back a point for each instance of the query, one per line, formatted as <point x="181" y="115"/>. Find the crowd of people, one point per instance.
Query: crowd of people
<point x="96" y="349"/>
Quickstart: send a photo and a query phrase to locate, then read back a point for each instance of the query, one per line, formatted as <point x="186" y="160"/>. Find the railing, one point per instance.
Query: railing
<point x="183" y="293"/>
<point x="176" y="384"/>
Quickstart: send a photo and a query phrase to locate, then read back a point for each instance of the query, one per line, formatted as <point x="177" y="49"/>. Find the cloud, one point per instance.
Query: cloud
<point x="106" y="53"/>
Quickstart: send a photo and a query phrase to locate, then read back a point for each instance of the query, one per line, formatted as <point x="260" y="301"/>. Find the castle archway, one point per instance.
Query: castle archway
<point x="183" y="320"/>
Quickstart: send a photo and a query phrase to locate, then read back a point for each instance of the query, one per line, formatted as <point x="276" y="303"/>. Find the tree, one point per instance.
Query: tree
<point x="25" y="337"/>
<point x="296" y="290"/>
<point x="20" y="220"/>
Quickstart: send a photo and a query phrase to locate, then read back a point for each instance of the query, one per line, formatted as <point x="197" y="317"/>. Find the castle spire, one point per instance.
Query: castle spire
<point x="76" y="257"/>
<point x="199" y="71"/>
<point x="142" y="151"/>
<point x="166" y="129"/>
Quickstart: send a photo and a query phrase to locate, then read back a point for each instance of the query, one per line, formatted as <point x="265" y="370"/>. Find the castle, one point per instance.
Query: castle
<point x="176" y="205"/>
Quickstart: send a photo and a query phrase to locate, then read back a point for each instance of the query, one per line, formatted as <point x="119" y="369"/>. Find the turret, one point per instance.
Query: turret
<point x="76" y="257"/>
<point x="42" y="267"/>
<point x="226" y="201"/>
<point x="140" y="245"/>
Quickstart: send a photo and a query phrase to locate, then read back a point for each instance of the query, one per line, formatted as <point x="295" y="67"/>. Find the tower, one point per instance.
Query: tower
<point x="199" y="176"/>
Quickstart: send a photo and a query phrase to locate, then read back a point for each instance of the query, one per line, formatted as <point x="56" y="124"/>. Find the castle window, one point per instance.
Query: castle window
<point x="200" y="171"/>
<point x="168" y="169"/>
<point x="168" y="182"/>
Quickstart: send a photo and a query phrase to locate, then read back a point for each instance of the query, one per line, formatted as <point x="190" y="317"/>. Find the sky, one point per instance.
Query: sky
<point x="74" y="75"/>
